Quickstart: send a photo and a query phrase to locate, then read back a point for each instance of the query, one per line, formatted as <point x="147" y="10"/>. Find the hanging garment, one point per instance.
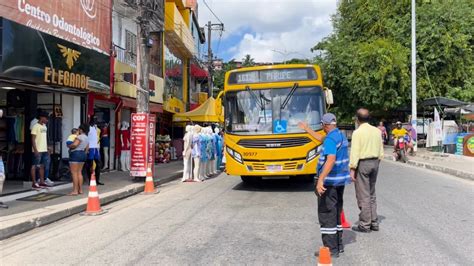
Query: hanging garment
<point x="125" y="144"/>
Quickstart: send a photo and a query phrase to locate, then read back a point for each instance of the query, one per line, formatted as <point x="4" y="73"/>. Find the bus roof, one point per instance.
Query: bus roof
<point x="279" y="66"/>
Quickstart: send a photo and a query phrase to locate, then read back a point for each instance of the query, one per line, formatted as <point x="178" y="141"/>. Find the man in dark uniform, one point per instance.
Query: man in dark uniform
<point x="333" y="174"/>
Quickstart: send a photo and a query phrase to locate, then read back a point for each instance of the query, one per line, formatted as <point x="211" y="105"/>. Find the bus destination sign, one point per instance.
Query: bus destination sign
<point x="272" y="75"/>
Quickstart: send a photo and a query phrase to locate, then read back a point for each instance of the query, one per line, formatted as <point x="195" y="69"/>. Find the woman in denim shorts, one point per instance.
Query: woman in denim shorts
<point x="77" y="158"/>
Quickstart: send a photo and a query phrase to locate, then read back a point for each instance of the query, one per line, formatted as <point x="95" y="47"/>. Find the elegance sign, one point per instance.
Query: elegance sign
<point x="84" y="22"/>
<point x="30" y="55"/>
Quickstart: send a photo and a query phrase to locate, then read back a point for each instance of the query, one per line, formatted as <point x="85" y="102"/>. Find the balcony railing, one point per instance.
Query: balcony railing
<point x="125" y="56"/>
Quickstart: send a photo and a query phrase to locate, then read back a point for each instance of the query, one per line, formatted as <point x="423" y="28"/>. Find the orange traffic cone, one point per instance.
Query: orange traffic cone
<point x="344" y="222"/>
<point x="93" y="203"/>
<point x="149" y="184"/>
<point x="324" y="257"/>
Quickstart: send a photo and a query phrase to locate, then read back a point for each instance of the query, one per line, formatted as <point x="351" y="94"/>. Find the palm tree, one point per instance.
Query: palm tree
<point x="248" y="61"/>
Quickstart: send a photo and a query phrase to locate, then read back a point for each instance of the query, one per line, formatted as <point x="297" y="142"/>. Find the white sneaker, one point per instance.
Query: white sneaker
<point x="49" y="182"/>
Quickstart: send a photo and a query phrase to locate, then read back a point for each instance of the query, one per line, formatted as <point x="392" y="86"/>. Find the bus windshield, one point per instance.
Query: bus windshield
<point x="259" y="112"/>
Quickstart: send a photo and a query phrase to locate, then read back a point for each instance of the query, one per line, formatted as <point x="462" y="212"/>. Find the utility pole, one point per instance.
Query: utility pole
<point x="413" y="71"/>
<point x="209" y="58"/>
<point x="210" y="28"/>
<point x="143" y="69"/>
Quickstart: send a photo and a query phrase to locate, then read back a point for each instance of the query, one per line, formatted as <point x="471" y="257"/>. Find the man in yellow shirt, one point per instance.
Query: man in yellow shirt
<point x="39" y="142"/>
<point x="398" y="132"/>
<point x="366" y="153"/>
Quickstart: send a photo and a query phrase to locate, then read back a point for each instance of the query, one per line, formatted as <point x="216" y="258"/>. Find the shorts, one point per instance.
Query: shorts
<point x="41" y="159"/>
<point x="77" y="157"/>
<point x="105" y="142"/>
<point x="94" y="154"/>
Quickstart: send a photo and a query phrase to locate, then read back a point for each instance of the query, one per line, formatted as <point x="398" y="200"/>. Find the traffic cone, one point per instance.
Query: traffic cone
<point x="93" y="202"/>
<point x="149" y="184"/>
<point x="344" y="222"/>
<point x="324" y="257"/>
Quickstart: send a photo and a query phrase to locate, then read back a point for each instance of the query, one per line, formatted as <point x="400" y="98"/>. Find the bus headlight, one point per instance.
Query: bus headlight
<point x="234" y="155"/>
<point x="312" y="154"/>
<point x="230" y="151"/>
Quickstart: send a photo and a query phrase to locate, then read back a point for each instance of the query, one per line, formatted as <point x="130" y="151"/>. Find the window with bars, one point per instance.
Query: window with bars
<point x="130" y="46"/>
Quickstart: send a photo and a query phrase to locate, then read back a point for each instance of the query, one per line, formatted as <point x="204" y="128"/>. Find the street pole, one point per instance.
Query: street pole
<point x="413" y="71"/>
<point x="209" y="57"/>
<point x="143" y="68"/>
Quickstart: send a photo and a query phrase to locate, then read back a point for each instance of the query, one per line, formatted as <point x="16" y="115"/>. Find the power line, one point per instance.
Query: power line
<point x="205" y="3"/>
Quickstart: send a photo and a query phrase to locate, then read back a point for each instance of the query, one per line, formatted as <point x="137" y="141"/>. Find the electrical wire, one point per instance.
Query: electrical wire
<point x="205" y="3"/>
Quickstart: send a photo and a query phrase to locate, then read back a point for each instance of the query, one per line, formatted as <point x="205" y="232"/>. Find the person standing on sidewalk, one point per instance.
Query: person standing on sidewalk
<point x="39" y="142"/>
<point x="366" y="153"/>
<point x="77" y="158"/>
<point x="94" y="151"/>
<point x="333" y="175"/>
<point x="383" y="131"/>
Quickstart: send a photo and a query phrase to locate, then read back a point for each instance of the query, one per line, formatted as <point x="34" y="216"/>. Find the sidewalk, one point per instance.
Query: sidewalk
<point x="22" y="216"/>
<point x="456" y="165"/>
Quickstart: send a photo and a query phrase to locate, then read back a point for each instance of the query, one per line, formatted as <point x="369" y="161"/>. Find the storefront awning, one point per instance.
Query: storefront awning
<point x="209" y="111"/>
<point x="198" y="72"/>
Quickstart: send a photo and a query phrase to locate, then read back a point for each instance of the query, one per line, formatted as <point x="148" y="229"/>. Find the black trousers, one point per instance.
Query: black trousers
<point x="329" y="215"/>
<point x="98" y="166"/>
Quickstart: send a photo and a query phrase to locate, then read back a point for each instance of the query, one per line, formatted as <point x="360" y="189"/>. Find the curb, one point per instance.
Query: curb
<point x="41" y="220"/>
<point x="437" y="168"/>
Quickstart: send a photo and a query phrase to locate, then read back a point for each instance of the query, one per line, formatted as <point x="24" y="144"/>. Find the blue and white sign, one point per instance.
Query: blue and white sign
<point x="280" y="126"/>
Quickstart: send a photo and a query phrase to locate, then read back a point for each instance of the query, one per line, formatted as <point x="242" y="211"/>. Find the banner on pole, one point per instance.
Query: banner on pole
<point x="438" y="130"/>
<point x="151" y="141"/>
<point x="139" y="144"/>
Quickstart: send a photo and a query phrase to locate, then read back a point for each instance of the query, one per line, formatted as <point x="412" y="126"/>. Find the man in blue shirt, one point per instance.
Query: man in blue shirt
<point x="333" y="174"/>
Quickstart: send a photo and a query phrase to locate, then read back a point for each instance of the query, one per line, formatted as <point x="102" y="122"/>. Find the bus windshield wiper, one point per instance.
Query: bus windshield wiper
<point x="257" y="101"/>
<point x="287" y="99"/>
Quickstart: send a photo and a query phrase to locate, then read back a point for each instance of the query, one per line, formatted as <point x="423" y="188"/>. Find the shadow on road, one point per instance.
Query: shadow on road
<point x="278" y="185"/>
<point x="349" y="237"/>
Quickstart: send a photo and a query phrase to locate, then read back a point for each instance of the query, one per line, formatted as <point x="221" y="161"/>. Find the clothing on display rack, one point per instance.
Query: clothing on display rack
<point x="125" y="147"/>
<point x="187" y="160"/>
<point x="105" y="144"/>
<point x="16" y="129"/>
<point x="196" y="153"/>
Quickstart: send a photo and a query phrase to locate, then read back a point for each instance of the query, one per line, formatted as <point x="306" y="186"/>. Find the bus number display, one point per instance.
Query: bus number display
<point x="272" y="75"/>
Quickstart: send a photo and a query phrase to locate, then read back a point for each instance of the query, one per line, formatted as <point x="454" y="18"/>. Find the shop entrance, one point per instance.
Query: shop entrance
<point x="105" y="117"/>
<point x="20" y="109"/>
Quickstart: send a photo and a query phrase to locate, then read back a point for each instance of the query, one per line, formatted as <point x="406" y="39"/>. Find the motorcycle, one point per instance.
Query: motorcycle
<point x="400" y="153"/>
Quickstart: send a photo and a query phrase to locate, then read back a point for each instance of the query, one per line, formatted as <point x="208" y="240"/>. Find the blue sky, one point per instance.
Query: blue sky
<point x="269" y="30"/>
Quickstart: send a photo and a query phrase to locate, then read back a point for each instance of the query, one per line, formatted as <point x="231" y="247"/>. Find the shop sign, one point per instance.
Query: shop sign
<point x="151" y="140"/>
<point x="44" y="59"/>
<point x="83" y="22"/>
<point x="139" y="144"/>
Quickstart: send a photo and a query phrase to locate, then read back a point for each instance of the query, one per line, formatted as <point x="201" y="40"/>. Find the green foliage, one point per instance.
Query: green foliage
<point x="298" y="61"/>
<point x="248" y="61"/>
<point x="366" y="61"/>
<point x="220" y="74"/>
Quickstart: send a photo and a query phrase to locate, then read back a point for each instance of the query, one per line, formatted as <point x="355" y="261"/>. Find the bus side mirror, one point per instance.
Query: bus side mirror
<point x="329" y="97"/>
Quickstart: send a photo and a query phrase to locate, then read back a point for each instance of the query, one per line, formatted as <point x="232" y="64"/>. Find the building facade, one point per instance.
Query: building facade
<point x="53" y="56"/>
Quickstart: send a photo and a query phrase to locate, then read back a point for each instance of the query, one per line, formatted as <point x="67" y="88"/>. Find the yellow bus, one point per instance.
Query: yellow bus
<point x="262" y="108"/>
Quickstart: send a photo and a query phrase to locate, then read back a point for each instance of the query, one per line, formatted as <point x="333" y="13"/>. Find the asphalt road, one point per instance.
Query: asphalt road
<point x="426" y="218"/>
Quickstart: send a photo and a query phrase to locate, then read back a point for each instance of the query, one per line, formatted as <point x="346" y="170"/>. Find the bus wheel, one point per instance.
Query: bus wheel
<point x="248" y="179"/>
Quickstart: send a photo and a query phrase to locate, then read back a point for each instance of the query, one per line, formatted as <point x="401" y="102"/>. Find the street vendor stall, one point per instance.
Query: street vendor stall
<point x="209" y="112"/>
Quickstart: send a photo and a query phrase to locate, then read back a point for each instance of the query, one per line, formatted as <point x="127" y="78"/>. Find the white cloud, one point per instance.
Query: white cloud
<point x="291" y="27"/>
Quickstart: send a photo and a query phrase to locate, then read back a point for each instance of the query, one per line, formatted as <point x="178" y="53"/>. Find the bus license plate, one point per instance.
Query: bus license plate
<point x="274" y="167"/>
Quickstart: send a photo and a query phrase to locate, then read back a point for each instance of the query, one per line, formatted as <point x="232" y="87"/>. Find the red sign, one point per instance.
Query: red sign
<point x="139" y="144"/>
<point x="151" y="140"/>
<point x="84" y="22"/>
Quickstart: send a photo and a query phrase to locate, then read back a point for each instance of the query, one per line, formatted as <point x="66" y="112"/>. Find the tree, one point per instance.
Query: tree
<point x="298" y="61"/>
<point x="220" y="74"/>
<point x="248" y="61"/>
<point x="366" y="61"/>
